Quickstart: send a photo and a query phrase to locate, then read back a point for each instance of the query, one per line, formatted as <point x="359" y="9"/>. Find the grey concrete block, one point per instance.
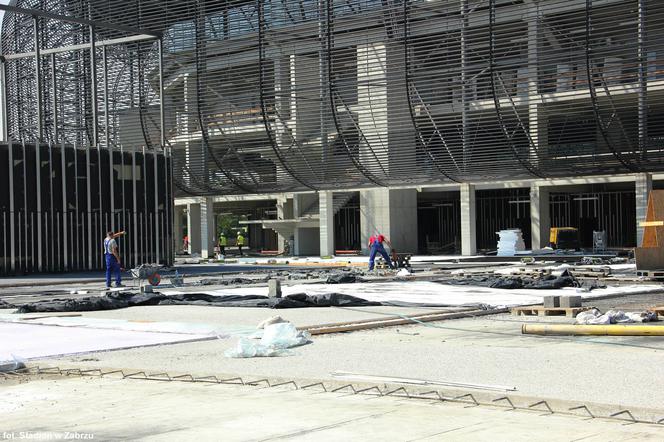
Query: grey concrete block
<point x="570" y="301"/>
<point x="551" y="301"/>
<point x="274" y="288"/>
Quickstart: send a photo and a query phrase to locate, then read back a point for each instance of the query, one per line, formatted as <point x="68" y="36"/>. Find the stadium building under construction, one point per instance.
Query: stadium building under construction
<point x="435" y="122"/>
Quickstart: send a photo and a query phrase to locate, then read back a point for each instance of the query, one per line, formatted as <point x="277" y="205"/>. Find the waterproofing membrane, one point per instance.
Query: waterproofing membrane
<point x="118" y="300"/>
<point x="29" y="341"/>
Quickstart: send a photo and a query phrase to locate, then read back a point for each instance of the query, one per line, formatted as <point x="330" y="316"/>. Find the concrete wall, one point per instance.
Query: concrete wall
<point x="307" y="241"/>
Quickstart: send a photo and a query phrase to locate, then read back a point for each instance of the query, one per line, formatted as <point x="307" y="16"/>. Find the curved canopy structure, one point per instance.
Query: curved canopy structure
<point x="273" y="95"/>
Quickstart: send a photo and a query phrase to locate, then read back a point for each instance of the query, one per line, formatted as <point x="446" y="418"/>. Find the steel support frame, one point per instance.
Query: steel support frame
<point x="492" y="76"/>
<point x="81" y="21"/>
<point x="40" y="136"/>
<point x="593" y="92"/>
<point x="325" y="6"/>
<point x="642" y="54"/>
<point x="266" y="122"/>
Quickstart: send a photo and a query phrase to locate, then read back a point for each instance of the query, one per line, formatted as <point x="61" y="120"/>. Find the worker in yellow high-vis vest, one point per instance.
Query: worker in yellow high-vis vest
<point x="239" y="241"/>
<point x="222" y="243"/>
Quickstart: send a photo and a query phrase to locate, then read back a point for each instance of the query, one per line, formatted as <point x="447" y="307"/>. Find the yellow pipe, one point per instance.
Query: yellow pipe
<point x="597" y="330"/>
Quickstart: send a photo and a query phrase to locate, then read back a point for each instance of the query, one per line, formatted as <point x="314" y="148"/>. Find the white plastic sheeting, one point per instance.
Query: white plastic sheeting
<point x="433" y="294"/>
<point x="31" y="341"/>
<point x="276" y="339"/>
<point x="187" y="328"/>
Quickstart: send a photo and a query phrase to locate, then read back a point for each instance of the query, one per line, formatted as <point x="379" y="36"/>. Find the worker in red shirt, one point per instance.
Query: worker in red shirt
<point x="376" y="246"/>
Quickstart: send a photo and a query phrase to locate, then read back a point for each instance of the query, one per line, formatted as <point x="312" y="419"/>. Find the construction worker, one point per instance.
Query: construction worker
<point x="239" y="241"/>
<point x="222" y="243"/>
<point x="376" y="246"/>
<point x="112" y="258"/>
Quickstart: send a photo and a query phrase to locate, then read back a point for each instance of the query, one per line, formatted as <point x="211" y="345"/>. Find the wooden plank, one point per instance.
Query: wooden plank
<point x="380" y="323"/>
<point x="651" y="223"/>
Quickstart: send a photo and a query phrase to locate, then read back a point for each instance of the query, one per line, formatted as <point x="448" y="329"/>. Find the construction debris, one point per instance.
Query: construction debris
<point x="9" y="362"/>
<point x="269" y="321"/>
<point x="594" y="316"/>
<point x="276" y="340"/>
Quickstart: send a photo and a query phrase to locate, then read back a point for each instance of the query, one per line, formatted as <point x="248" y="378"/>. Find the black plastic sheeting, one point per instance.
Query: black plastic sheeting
<point x="343" y="278"/>
<point x="118" y="300"/>
<point x="547" y="282"/>
<point x="4" y="304"/>
<point x="511" y="283"/>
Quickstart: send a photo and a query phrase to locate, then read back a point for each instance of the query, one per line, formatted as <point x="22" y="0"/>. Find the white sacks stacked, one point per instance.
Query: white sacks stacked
<point x="510" y="241"/>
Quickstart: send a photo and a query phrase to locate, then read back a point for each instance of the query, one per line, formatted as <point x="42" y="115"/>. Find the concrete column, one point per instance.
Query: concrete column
<point x="208" y="231"/>
<point x="540" y="217"/>
<point x="281" y="202"/>
<point x="643" y="186"/>
<point x="326" y="210"/>
<point x="177" y="228"/>
<point x="194" y="227"/>
<point x="468" y="220"/>
<point x="392" y="212"/>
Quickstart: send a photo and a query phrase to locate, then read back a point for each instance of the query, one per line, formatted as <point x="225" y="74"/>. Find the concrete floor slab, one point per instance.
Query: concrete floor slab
<point x="488" y="350"/>
<point x="112" y="409"/>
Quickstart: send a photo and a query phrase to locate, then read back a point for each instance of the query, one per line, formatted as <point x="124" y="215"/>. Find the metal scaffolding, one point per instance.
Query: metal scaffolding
<point x="71" y="170"/>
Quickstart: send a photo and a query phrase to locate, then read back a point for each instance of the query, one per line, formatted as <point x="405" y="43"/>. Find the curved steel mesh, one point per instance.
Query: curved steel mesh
<point x="279" y="95"/>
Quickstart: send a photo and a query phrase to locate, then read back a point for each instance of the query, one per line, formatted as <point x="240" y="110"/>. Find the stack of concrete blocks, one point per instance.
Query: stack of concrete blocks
<point x="510" y="241"/>
<point x="562" y="301"/>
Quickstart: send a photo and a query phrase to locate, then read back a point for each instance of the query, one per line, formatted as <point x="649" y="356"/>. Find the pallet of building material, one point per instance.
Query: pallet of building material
<point x="582" y="274"/>
<point x="651" y="274"/>
<point x="530" y="272"/>
<point x="538" y="310"/>
<point x="510" y="242"/>
<point x="659" y="310"/>
<point x="591" y="272"/>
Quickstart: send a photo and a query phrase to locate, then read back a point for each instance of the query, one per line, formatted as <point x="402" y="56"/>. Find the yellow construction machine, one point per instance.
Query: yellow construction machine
<point x="564" y="238"/>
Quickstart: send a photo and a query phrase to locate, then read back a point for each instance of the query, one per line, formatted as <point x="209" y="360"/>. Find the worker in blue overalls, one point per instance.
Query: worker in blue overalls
<point x="112" y="259"/>
<point x="376" y="246"/>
